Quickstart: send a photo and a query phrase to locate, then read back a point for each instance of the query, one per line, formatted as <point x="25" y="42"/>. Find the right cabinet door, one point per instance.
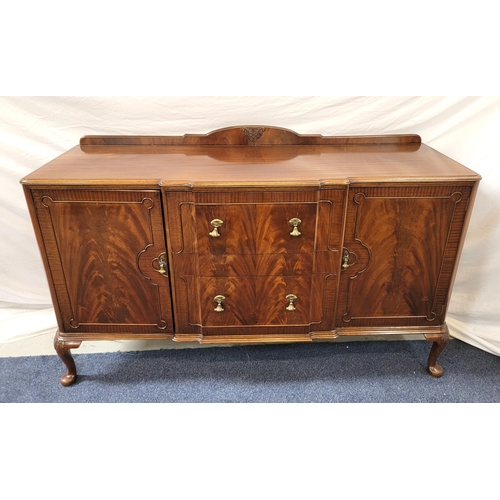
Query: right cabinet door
<point x="400" y="247"/>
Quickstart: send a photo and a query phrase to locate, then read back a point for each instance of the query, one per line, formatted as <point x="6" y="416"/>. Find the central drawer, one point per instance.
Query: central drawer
<point x="259" y="263"/>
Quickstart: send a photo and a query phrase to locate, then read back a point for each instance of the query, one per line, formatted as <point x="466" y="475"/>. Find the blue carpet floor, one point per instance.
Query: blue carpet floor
<point x="364" y="372"/>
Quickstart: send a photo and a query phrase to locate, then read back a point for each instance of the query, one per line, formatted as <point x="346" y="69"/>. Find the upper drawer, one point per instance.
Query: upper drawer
<point x="263" y="228"/>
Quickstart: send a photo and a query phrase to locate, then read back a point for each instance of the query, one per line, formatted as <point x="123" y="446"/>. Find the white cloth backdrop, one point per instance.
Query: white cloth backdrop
<point x="34" y="130"/>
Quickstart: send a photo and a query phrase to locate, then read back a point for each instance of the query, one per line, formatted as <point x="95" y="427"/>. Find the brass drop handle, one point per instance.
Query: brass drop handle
<point x="291" y="297"/>
<point x="163" y="265"/>
<point x="295" y="222"/>
<point x="216" y="223"/>
<point x="345" y="259"/>
<point x="219" y="299"/>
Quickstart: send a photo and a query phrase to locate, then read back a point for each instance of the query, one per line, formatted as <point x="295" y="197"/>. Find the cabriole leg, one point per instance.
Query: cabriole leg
<point x="62" y="348"/>
<point x="438" y="344"/>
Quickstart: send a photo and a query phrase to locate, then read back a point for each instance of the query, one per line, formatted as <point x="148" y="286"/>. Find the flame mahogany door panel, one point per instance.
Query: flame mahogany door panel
<point x="104" y="251"/>
<point x="399" y="253"/>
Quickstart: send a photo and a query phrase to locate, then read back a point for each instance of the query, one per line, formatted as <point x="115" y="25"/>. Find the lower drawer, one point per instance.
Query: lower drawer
<point x="276" y="300"/>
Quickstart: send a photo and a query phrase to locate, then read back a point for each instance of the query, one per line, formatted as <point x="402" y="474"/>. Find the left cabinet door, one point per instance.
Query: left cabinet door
<point x="105" y="257"/>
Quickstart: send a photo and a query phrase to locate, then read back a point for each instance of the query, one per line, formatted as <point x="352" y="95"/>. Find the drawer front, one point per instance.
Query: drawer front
<point x="255" y="301"/>
<point x="256" y="228"/>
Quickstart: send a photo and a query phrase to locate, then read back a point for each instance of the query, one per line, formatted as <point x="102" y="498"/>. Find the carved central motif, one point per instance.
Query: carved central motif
<point x="253" y="134"/>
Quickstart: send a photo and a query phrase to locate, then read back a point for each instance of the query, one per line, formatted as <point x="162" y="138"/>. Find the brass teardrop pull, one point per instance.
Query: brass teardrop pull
<point x="219" y="299"/>
<point x="345" y="259"/>
<point x="163" y="265"/>
<point x="295" y="222"/>
<point x="291" y="298"/>
<point x="216" y="223"/>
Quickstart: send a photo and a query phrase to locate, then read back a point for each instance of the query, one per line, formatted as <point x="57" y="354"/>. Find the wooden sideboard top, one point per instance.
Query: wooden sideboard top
<point x="247" y="155"/>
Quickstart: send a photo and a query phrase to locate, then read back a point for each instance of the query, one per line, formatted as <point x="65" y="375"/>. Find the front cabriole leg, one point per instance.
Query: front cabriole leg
<point x="439" y="342"/>
<point x="62" y="348"/>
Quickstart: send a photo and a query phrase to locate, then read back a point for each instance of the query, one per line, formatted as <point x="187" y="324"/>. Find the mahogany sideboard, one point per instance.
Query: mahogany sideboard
<point x="250" y="234"/>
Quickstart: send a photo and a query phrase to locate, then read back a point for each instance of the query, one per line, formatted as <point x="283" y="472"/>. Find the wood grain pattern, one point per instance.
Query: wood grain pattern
<point x="255" y="245"/>
<point x="228" y="157"/>
<point x="256" y="229"/>
<point x="255" y="301"/>
<point x="101" y="247"/>
<point x="268" y="264"/>
<point x="403" y="244"/>
<point x="309" y="164"/>
<point x="245" y="135"/>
